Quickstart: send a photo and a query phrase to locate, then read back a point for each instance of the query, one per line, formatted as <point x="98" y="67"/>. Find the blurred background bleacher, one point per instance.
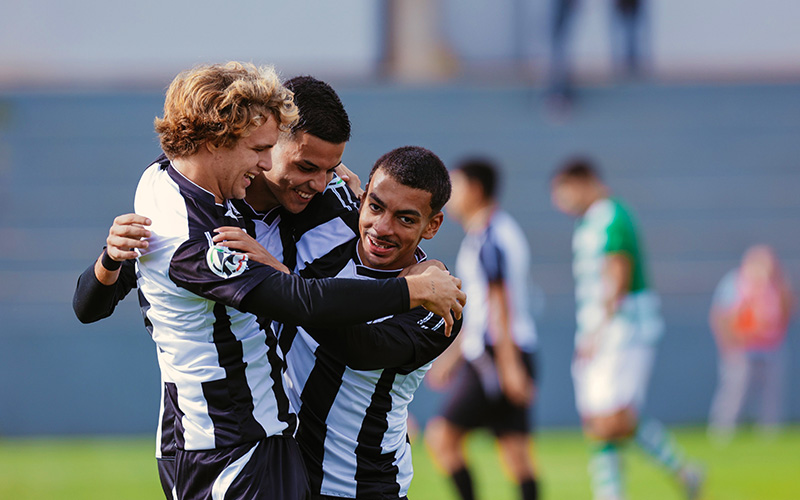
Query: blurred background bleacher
<point x="706" y="149"/>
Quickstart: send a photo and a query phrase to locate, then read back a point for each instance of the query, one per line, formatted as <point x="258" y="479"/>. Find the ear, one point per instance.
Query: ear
<point x="433" y="226"/>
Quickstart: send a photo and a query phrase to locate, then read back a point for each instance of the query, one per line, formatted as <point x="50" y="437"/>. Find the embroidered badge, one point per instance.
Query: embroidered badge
<point x="225" y="262"/>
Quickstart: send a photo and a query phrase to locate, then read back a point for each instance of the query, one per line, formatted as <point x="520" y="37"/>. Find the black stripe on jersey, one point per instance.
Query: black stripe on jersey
<point x="230" y="402"/>
<point x="332" y="262"/>
<point x="248" y="214"/>
<point x="286" y="232"/>
<point x="170" y="420"/>
<point x="318" y="396"/>
<point x="162" y="161"/>
<point x="172" y="411"/>
<point x="277" y="367"/>
<point x="144" y="305"/>
<point x="376" y="474"/>
<point x="286" y="337"/>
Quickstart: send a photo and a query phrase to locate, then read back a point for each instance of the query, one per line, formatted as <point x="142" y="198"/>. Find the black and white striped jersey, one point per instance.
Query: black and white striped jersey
<point x="352" y="391"/>
<point x="498" y="252"/>
<point x="329" y="222"/>
<point x="221" y="366"/>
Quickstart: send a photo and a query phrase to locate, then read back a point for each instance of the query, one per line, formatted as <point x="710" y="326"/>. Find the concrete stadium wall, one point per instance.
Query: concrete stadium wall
<point x="97" y="43"/>
<point x="708" y="169"/>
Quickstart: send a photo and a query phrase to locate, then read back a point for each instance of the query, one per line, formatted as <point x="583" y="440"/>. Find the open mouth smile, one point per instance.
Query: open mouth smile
<point x="305" y="196"/>
<point x="379" y="245"/>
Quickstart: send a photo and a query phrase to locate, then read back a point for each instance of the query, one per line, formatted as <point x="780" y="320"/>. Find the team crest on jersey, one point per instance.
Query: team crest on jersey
<point x="225" y="262"/>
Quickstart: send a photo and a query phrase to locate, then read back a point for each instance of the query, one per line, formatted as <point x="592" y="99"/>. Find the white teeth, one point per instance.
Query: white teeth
<point x="379" y="245"/>
<point x="250" y="176"/>
<point x="305" y="196"/>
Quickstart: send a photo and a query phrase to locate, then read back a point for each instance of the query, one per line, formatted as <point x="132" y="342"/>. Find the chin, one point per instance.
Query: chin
<point x="383" y="262"/>
<point x="293" y="208"/>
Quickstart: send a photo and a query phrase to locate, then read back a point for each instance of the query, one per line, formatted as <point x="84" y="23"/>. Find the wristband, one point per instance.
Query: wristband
<point x="109" y="263"/>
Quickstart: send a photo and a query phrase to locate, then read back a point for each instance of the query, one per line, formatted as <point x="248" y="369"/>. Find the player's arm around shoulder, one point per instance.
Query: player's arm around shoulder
<point x="112" y="276"/>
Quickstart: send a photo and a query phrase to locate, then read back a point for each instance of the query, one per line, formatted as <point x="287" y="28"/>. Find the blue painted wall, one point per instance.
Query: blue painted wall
<point x="710" y="170"/>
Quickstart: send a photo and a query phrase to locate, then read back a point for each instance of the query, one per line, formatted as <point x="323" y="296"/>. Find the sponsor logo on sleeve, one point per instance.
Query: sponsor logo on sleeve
<point x="224" y="262"/>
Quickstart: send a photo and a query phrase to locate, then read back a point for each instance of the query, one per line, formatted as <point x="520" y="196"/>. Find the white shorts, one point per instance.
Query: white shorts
<point x="612" y="379"/>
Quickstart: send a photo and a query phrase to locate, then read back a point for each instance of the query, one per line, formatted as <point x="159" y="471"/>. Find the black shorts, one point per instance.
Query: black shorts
<point x="268" y="469"/>
<point x="476" y="400"/>
<point x="166" y="473"/>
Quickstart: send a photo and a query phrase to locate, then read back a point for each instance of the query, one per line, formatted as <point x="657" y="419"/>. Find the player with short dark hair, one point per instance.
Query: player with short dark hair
<point x="493" y="372"/>
<point x="322" y="113"/>
<point x="618" y="325"/>
<point x="352" y="392"/>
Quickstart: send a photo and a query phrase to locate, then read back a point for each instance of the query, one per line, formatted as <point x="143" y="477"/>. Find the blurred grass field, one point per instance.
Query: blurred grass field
<point x="749" y="468"/>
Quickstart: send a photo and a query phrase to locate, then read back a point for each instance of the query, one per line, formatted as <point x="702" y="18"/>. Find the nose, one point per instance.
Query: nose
<point x="381" y="224"/>
<point x="265" y="161"/>
<point x="319" y="181"/>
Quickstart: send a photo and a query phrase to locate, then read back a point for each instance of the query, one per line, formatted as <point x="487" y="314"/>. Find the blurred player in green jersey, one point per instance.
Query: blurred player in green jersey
<point x="618" y="326"/>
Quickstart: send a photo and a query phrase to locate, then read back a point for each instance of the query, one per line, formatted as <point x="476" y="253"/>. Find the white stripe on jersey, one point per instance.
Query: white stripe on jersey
<point x="504" y="232"/>
<point x="318" y="241"/>
<point x="344" y="424"/>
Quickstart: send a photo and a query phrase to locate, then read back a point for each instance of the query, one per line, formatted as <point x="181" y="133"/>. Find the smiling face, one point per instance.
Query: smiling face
<point x="393" y="219"/>
<point x="302" y="166"/>
<point x="234" y="168"/>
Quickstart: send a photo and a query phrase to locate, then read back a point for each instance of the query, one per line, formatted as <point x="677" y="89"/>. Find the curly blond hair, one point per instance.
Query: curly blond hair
<point x="219" y="103"/>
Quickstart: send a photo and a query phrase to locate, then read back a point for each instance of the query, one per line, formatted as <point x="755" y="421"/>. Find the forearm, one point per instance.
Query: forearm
<point x="506" y="349"/>
<point x="95" y="298"/>
<point x="103" y="274"/>
<point x="405" y="341"/>
<point x="326" y="302"/>
<point x="366" y="346"/>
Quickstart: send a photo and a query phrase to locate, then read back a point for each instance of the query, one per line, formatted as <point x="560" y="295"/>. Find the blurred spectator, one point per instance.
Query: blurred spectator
<point x="625" y="34"/>
<point x="749" y="317"/>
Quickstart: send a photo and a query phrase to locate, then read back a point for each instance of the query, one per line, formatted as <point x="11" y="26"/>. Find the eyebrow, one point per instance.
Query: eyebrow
<point x="400" y="212"/>
<point x="310" y="163"/>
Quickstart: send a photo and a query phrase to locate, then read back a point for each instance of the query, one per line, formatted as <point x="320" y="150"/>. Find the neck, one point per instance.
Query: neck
<point x="194" y="168"/>
<point x="598" y="193"/>
<point x="259" y="196"/>
<point x="479" y="217"/>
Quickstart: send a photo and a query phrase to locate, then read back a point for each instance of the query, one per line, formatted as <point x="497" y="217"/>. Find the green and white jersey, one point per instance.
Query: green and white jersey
<point x="606" y="228"/>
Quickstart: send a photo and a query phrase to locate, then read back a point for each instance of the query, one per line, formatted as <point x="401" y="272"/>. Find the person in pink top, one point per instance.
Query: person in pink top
<point x="749" y="317"/>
